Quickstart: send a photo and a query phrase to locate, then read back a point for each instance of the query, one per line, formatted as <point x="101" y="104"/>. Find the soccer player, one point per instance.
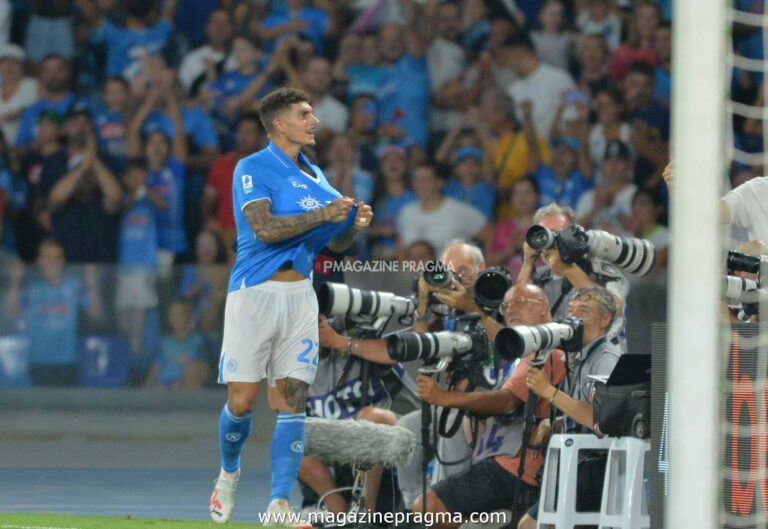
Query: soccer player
<point x="285" y="212"/>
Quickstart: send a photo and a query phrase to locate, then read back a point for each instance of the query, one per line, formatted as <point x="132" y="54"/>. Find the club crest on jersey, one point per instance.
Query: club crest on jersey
<point x="247" y="183"/>
<point x="309" y="203"/>
<point x="297" y="185"/>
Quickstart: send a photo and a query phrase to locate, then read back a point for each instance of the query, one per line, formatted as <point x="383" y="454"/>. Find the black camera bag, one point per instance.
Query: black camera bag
<point x="621" y="411"/>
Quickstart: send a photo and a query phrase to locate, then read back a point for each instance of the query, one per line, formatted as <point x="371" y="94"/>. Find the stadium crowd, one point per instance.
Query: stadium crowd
<point x="122" y="123"/>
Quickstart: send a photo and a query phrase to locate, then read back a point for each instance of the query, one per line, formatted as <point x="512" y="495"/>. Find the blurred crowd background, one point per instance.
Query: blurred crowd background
<point x="122" y="122"/>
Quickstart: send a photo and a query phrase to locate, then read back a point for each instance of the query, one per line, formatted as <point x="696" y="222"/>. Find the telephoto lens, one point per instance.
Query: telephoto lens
<point x="521" y="340"/>
<point x="741" y="262"/>
<point x="491" y="285"/>
<point x="437" y="275"/>
<point x="635" y="256"/>
<point x="428" y="346"/>
<point x="540" y="238"/>
<point x="335" y="299"/>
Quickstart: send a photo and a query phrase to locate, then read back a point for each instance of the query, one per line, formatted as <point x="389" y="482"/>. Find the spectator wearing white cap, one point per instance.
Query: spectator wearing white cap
<point x="17" y="91"/>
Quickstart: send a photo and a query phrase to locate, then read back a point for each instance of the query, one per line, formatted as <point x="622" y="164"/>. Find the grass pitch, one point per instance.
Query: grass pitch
<point x="62" y="521"/>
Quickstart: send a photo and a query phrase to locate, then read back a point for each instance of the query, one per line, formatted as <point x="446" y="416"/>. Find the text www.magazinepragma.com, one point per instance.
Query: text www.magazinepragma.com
<point x="380" y="518"/>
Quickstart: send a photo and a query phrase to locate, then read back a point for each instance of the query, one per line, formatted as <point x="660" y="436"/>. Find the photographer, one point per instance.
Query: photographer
<point x="559" y="281"/>
<point x="466" y="261"/>
<point x="739" y="312"/>
<point x="493" y="482"/>
<point x="597" y="309"/>
<point x="336" y="394"/>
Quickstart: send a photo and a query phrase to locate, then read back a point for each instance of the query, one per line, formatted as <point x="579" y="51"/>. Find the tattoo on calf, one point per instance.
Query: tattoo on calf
<point x="296" y="394"/>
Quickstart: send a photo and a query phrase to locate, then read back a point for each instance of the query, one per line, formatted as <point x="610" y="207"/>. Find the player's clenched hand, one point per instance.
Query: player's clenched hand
<point x="338" y="210"/>
<point x="364" y="216"/>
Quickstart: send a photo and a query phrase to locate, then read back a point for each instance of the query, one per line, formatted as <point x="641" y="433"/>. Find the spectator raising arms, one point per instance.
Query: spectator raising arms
<point x="142" y="37"/>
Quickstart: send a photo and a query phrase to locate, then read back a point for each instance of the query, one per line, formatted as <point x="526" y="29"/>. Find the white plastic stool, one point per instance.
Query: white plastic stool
<point x="624" y="503"/>
<point x="557" y="503"/>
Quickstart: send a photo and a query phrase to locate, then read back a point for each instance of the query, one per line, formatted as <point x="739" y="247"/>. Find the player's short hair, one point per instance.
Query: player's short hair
<point x="277" y="101"/>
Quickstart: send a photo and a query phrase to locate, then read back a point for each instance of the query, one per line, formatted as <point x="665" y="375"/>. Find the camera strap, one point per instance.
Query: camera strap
<point x="565" y="288"/>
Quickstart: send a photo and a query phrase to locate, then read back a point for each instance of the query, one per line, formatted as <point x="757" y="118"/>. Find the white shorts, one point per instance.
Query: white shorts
<point x="270" y="331"/>
<point x="136" y="289"/>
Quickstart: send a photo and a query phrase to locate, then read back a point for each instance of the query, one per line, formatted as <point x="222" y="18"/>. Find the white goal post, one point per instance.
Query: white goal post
<point x="694" y="358"/>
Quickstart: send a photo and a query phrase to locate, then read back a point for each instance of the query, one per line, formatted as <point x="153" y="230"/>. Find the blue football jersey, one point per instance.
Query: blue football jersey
<point x="270" y="174"/>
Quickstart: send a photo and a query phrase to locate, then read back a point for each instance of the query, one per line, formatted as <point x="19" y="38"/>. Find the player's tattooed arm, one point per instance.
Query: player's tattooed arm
<point x="269" y="228"/>
<point x="363" y="219"/>
<point x="344" y="240"/>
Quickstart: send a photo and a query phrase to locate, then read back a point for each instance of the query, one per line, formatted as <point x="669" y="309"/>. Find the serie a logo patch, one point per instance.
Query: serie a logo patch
<point x="247" y="183"/>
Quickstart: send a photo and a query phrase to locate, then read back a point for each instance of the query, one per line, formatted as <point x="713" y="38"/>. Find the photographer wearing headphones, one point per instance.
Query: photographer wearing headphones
<point x="596" y="307"/>
<point x="493" y="482"/>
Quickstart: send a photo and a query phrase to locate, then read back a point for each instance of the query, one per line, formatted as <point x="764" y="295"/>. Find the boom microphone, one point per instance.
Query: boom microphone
<point x="350" y="442"/>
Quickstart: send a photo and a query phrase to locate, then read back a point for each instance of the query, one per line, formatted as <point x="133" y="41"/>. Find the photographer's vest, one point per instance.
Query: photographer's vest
<point x="336" y="392"/>
<point x="597" y="359"/>
<point x="501" y="435"/>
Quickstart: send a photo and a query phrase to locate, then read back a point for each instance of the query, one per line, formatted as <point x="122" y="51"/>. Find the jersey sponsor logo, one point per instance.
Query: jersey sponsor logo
<point x="233" y="437"/>
<point x="247" y="183"/>
<point x="309" y="203"/>
<point x="298" y="185"/>
<point x="298" y="447"/>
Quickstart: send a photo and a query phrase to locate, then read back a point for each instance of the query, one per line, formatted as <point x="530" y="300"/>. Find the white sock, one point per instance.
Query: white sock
<point x="228" y="476"/>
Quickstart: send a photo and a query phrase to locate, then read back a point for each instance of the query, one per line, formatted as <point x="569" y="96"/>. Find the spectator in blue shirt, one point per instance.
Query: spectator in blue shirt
<point x="562" y="181"/>
<point x="392" y="193"/>
<point x="166" y="176"/>
<point x="128" y="46"/>
<point x="224" y="95"/>
<point x="362" y="68"/>
<point x="467" y="184"/>
<point x="404" y="94"/>
<point x="48" y="305"/>
<point x="110" y="120"/>
<point x="180" y="364"/>
<point x="56" y="81"/>
<point x="298" y="20"/>
<point x="137" y="276"/>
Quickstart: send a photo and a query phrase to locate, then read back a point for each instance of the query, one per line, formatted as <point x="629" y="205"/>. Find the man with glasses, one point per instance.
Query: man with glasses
<point x="493" y="482"/>
<point x="596" y="307"/>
